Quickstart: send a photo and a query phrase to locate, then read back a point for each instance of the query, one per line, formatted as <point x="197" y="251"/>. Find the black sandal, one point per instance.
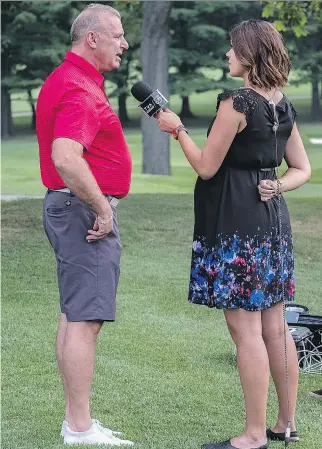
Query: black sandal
<point x="227" y="445"/>
<point x="275" y="436"/>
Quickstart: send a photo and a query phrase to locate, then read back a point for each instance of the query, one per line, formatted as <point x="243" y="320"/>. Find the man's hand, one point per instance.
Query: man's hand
<point x="102" y="227"/>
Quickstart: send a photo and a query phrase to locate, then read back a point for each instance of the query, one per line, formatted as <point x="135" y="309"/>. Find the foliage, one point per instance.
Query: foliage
<point x="199" y="39"/>
<point x="307" y="51"/>
<point x="292" y="15"/>
<point x="132" y="16"/>
<point x="304" y="21"/>
<point x="35" y="39"/>
<point x="308" y="59"/>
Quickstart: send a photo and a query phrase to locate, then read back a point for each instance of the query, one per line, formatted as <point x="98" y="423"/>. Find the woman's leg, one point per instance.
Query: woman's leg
<point x="273" y="335"/>
<point x="246" y="330"/>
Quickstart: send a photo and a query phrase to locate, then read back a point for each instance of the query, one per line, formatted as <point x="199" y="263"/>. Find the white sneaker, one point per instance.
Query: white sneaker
<point x="105" y="429"/>
<point x="94" y="435"/>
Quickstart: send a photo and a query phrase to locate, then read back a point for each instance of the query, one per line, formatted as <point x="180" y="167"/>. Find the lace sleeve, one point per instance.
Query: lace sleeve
<point x="243" y="101"/>
<point x="294" y="113"/>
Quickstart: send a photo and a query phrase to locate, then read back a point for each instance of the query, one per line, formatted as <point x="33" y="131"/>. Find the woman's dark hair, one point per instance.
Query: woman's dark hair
<point x="259" y="47"/>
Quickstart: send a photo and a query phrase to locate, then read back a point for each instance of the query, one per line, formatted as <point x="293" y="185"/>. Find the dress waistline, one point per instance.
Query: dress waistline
<point x="265" y="169"/>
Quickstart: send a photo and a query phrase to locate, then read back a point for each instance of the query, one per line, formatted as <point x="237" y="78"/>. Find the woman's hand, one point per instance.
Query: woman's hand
<point x="267" y="188"/>
<point x="168" y="120"/>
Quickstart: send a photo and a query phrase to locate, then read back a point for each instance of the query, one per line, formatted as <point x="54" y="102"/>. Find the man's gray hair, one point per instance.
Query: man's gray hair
<point x="89" y="20"/>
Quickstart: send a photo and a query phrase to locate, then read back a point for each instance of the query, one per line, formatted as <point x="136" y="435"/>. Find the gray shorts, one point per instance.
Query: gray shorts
<point x="88" y="273"/>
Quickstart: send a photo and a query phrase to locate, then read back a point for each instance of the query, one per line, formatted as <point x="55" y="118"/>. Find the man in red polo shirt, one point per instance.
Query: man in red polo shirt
<point x="86" y="165"/>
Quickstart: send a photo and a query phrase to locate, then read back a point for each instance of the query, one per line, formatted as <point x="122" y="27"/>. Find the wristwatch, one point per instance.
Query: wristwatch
<point x="175" y="132"/>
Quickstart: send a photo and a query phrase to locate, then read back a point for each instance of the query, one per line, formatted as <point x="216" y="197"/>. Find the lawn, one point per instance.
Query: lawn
<point x="20" y="99"/>
<point x="20" y="169"/>
<point x="166" y="370"/>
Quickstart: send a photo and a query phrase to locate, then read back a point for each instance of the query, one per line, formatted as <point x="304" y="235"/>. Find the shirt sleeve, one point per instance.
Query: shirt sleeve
<point x="242" y="101"/>
<point x="77" y="117"/>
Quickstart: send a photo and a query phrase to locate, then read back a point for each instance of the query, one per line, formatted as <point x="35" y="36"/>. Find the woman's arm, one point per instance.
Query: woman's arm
<point x="299" y="168"/>
<point x="206" y="162"/>
<point x="298" y="172"/>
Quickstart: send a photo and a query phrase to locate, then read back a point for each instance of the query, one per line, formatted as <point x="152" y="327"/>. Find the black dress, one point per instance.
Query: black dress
<point x="242" y="255"/>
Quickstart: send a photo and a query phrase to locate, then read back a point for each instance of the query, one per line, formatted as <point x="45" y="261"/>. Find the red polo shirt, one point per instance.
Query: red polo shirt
<point x="72" y="103"/>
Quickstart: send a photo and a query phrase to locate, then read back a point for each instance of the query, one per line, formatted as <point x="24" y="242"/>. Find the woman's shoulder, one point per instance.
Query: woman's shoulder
<point x="241" y="92"/>
<point x="244" y="100"/>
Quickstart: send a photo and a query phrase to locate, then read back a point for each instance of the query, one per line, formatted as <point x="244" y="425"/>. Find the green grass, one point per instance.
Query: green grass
<point x="203" y="106"/>
<point x="20" y="103"/>
<point x="20" y="168"/>
<point x="166" y="371"/>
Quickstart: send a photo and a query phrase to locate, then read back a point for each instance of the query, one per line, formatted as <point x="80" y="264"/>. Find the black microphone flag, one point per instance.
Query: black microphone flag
<point x="152" y="102"/>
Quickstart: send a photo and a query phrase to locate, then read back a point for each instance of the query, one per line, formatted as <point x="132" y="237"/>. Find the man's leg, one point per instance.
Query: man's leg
<point x="78" y="367"/>
<point x="87" y="291"/>
<point x="60" y="343"/>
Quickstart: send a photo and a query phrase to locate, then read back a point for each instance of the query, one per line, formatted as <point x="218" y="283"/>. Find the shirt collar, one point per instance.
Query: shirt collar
<point x="85" y="66"/>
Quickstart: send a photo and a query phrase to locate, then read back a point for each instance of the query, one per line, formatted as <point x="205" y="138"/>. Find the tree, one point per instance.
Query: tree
<point x="307" y="58"/>
<point x="304" y="20"/>
<point x="132" y="16"/>
<point x="189" y="51"/>
<point x="154" y="60"/>
<point x="292" y="15"/>
<point x="35" y="39"/>
<point x="8" y="13"/>
<point x="199" y="40"/>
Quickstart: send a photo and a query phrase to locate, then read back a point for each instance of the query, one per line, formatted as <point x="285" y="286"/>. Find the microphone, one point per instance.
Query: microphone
<point x="151" y="102"/>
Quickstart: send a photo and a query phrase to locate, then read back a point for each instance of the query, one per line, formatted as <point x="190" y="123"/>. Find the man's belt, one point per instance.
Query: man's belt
<point x="112" y="199"/>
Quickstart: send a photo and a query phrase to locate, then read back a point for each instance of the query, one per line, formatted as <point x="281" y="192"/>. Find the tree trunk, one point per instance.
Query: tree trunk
<point x="154" y="60"/>
<point x="122" y="82"/>
<point x="7" y="128"/>
<point x="224" y="74"/>
<point x="123" y="115"/>
<point x="33" y="109"/>
<point x="185" y="109"/>
<point x="33" y="122"/>
<point x="316" y="110"/>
